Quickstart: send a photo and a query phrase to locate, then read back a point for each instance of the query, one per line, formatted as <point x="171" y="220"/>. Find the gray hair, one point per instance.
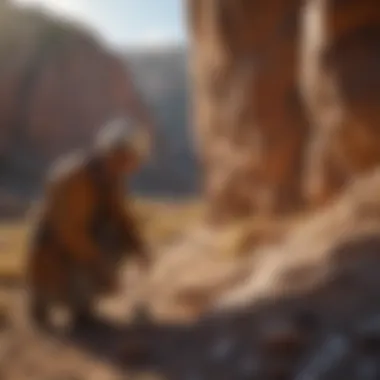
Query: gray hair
<point x="122" y="133"/>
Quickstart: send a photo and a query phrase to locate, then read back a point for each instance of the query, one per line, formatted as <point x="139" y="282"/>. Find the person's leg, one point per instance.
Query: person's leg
<point x="83" y="313"/>
<point x="81" y="302"/>
<point x="42" y="279"/>
<point x="38" y="308"/>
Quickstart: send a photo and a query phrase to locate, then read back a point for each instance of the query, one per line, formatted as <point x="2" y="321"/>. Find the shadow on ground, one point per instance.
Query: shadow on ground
<point x="278" y="338"/>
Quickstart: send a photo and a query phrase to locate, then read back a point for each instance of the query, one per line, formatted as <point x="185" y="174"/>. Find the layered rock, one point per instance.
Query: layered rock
<point x="253" y="123"/>
<point x="250" y="124"/>
<point x="341" y="86"/>
<point x="304" y="307"/>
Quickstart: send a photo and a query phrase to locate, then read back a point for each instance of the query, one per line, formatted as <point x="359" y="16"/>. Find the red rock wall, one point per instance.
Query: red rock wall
<point x="250" y="125"/>
<point x="286" y="99"/>
<point x="341" y="84"/>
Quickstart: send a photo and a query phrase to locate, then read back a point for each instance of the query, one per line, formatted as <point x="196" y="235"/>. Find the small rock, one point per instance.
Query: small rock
<point x="284" y="340"/>
<point x="367" y="369"/>
<point x="306" y="321"/>
<point x="222" y="348"/>
<point x="368" y="336"/>
<point x="146" y="376"/>
<point x="372" y="325"/>
<point x="369" y="344"/>
<point x="135" y="352"/>
<point x="333" y="350"/>
<point x="278" y="373"/>
<point x="194" y="376"/>
<point x="248" y="366"/>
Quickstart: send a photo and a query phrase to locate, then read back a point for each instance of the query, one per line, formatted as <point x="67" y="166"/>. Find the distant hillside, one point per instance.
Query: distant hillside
<point x="59" y="83"/>
<point x="161" y="77"/>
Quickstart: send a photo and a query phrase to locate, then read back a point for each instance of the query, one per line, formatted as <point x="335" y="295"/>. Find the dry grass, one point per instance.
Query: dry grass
<point x="242" y="237"/>
<point x="162" y="222"/>
<point x="165" y="221"/>
<point x="13" y="238"/>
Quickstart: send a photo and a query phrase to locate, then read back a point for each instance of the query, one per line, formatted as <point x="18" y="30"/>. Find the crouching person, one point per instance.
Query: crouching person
<point x="84" y="229"/>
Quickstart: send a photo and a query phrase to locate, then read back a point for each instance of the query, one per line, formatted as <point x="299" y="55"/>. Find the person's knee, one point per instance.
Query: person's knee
<point x="81" y="294"/>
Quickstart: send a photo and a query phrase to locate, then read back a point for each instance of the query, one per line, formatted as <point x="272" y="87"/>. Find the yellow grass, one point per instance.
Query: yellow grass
<point x="164" y="221"/>
<point x="12" y="242"/>
<point x="161" y="221"/>
<point x="240" y="237"/>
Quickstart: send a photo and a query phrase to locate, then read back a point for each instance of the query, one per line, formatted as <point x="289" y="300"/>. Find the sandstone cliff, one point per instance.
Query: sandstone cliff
<point x="341" y="87"/>
<point x="286" y="99"/>
<point x="250" y="125"/>
<point x="306" y="308"/>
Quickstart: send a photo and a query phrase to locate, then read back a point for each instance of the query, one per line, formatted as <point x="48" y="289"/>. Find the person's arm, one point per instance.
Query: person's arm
<point x="129" y="226"/>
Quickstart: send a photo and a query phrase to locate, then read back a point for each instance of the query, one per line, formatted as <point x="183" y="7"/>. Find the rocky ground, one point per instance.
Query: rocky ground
<point x="303" y="308"/>
<point x="115" y="347"/>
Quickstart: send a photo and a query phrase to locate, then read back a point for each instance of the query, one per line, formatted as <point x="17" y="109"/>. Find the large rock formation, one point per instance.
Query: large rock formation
<point x="250" y="124"/>
<point x="309" y="309"/>
<point x="58" y="84"/>
<point x="253" y="123"/>
<point x="341" y="85"/>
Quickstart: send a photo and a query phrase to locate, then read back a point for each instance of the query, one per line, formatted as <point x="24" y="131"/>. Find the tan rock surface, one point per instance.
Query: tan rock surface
<point x="250" y="126"/>
<point x="341" y="86"/>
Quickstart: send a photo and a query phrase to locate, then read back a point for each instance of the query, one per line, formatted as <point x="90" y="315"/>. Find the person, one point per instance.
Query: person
<point x="85" y="228"/>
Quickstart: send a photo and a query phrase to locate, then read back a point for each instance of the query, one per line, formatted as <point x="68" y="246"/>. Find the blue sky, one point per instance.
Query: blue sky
<point x="125" y="22"/>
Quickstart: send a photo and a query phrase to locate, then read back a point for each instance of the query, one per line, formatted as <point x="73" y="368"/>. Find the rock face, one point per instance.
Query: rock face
<point x="286" y="99"/>
<point x="341" y="85"/>
<point x="250" y="125"/>
<point x="311" y="304"/>
<point x="58" y="84"/>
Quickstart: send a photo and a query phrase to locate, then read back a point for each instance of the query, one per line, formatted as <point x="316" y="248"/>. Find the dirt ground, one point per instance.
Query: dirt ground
<point x="303" y="306"/>
<point x="116" y="347"/>
<point x="331" y="332"/>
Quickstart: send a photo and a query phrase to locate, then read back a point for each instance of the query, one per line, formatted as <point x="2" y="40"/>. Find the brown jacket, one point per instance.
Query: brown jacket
<point x="80" y="205"/>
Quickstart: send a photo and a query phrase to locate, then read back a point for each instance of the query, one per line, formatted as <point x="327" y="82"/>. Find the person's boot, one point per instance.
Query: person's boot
<point x="83" y="319"/>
